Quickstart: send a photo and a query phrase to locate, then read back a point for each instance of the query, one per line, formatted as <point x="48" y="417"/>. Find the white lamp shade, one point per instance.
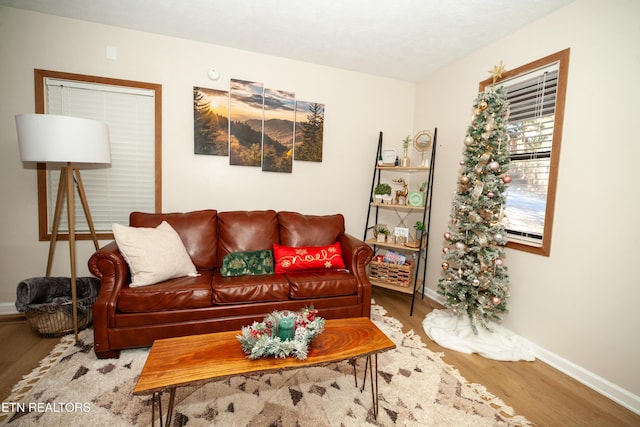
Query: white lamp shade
<point x="65" y="139"/>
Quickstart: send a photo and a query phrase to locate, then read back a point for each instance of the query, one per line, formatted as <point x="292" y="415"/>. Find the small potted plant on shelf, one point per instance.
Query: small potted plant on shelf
<point x="419" y="226"/>
<point x="381" y="190"/>
<point x="382" y="233"/>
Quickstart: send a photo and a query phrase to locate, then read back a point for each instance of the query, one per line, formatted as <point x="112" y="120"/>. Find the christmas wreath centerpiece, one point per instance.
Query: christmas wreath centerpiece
<point x="281" y="334"/>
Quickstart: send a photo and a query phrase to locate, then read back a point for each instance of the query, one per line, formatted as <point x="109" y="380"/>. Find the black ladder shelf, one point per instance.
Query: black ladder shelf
<point x="421" y="250"/>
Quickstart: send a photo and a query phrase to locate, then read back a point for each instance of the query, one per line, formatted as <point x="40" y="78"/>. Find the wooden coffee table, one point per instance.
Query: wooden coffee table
<point x="197" y="359"/>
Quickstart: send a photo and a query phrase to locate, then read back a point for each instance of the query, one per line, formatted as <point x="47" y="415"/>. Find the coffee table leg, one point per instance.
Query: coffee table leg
<point x="374" y="386"/>
<point x="172" y="397"/>
<point x="157" y="397"/>
<point x="369" y="365"/>
<point x="374" y="382"/>
<point x="354" y="363"/>
<point x="364" y="377"/>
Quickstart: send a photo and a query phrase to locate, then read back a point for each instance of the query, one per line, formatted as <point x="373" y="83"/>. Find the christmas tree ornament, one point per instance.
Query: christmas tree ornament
<point x="468" y="140"/>
<point x="474" y="217"/>
<point x="495" y="300"/>
<point x="445" y="250"/>
<point x="447" y="235"/>
<point x="445" y="265"/>
<point x="506" y="179"/>
<point x="490" y="194"/>
<point x="477" y="190"/>
<point x="482" y="105"/>
<point x="460" y="246"/>
<point x="464" y="180"/>
<point x="494" y="166"/>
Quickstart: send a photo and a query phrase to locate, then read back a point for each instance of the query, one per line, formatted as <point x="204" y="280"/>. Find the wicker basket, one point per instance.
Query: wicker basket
<point x="47" y="303"/>
<point x="391" y="274"/>
<point x="59" y="321"/>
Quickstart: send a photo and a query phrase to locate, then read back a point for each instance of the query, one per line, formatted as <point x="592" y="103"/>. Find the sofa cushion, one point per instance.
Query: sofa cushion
<point x="306" y="258"/>
<point x="247" y="263"/>
<point x="153" y="254"/>
<point x="314" y="284"/>
<point x="198" y="231"/>
<point x="309" y="230"/>
<point x="175" y="294"/>
<point x="243" y="231"/>
<point x="250" y="289"/>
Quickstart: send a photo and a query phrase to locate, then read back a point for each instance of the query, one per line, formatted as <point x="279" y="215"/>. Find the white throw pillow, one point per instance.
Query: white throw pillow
<point x="153" y="254"/>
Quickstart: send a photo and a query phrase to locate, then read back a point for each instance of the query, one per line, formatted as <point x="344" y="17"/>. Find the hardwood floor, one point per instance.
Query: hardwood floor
<point x="535" y="390"/>
<point x="544" y="395"/>
<point x="20" y="351"/>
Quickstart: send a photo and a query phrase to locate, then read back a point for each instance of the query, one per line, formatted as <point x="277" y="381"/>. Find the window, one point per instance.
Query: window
<point x="536" y="95"/>
<point x="132" y="110"/>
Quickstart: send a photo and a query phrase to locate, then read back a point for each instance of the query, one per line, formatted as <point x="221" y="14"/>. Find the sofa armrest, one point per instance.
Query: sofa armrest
<point x="357" y="256"/>
<point x="108" y="265"/>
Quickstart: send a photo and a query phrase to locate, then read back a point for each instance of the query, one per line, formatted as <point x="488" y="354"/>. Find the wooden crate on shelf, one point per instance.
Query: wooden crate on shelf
<point x="391" y="274"/>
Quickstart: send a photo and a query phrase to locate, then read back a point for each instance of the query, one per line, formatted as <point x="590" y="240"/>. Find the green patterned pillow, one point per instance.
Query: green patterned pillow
<point x="247" y="263"/>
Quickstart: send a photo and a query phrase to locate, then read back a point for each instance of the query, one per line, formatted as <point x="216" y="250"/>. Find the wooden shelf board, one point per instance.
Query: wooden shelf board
<point x="401" y="169"/>
<point x="406" y="290"/>
<point x="391" y="245"/>
<point x="401" y="207"/>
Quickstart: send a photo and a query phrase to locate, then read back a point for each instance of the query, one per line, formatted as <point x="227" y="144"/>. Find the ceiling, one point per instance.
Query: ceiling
<point x="400" y="39"/>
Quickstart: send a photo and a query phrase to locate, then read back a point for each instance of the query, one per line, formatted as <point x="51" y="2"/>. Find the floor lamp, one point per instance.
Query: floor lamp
<point x="49" y="138"/>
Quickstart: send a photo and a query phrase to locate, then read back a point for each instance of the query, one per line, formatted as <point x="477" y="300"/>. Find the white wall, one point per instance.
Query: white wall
<point x="581" y="303"/>
<point x="357" y="107"/>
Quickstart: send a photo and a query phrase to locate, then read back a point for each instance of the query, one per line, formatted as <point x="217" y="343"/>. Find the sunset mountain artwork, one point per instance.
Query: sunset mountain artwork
<point x="257" y="126"/>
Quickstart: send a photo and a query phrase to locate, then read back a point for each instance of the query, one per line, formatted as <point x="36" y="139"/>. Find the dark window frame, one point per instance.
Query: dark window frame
<point x="39" y="80"/>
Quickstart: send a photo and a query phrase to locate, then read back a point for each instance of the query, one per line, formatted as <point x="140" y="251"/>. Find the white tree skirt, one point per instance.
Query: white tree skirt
<point x="455" y="332"/>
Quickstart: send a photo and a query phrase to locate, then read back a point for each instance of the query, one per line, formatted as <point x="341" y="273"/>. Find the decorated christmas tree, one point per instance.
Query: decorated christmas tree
<point x="475" y="280"/>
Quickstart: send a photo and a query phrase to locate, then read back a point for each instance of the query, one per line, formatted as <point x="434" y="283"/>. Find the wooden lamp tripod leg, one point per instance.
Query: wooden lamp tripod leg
<point x="62" y="188"/>
<point x="65" y="190"/>
<point x="72" y="245"/>
<point x="85" y="207"/>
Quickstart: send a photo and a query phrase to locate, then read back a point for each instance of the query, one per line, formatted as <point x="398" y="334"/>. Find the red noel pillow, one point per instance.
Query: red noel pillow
<point x="304" y="258"/>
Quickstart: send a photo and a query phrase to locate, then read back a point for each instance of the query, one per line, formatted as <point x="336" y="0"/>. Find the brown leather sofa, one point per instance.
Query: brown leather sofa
<point x="127" y="317"/>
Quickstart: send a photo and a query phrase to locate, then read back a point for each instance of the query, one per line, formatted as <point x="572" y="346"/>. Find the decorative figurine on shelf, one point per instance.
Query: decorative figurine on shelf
<point x="401" y="195"/>
<point x="406" y="161"/>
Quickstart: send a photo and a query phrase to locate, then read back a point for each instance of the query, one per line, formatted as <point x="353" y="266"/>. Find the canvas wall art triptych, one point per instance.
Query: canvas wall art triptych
<point x="257" y="126"/>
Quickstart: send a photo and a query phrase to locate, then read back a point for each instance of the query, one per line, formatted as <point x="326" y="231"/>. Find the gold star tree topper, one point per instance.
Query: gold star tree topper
<point x="496" y="71"/>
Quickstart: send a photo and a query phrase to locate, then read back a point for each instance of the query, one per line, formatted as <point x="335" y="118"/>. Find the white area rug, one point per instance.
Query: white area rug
<point x="455" y="332"/>
<point x="416" y="388"/>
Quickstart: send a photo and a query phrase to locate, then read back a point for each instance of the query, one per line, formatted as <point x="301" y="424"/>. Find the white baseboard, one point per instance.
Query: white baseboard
<point x="606" y="388"/>
<point x="7" y="308"/>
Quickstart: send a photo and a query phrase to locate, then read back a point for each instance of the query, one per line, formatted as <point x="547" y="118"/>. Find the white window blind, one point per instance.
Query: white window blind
<point x="532" y="105"/>
<point x="128" y="184"/>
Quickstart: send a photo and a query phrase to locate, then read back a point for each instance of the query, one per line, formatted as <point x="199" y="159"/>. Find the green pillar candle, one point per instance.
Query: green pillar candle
<point x="285" y="328"/>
